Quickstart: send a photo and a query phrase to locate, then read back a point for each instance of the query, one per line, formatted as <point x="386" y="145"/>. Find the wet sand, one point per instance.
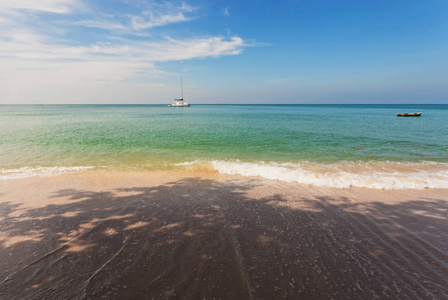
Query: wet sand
<point x="158" y="235"/>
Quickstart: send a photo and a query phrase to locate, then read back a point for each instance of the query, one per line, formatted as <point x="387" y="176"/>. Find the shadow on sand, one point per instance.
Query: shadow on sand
<point x="205" y="239"/>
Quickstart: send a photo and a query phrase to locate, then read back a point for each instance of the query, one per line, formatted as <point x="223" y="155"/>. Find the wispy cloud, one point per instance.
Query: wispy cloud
<point x="172" y="49"/>
<point x="27" y="42"/>
<point x="225" y="11"/>
<point x="160" y="15"/>
<point x="103" y="24"/>
<point x="54" y="6"/>
<point x="24" y="44"/>
<point x="140" y="22"/>
<point x="38" y="53"/>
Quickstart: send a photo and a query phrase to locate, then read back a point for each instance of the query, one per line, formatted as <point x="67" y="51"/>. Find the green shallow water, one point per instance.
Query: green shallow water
<point x="157" y="135"/>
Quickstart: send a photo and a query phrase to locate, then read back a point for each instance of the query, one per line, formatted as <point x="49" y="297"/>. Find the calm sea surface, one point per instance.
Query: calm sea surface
<point x="238" y="139"/>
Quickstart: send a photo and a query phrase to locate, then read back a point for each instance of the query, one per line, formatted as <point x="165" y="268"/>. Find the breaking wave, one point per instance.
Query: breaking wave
<point x="345" y="175"/>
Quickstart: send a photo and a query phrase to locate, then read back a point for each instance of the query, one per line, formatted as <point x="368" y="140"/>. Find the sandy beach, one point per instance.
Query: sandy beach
<point x="184" y="235"/>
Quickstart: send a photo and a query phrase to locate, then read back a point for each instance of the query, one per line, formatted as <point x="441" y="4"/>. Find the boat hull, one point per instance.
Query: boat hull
<point x="178" y="105"/>
<point x="410" y="115"/>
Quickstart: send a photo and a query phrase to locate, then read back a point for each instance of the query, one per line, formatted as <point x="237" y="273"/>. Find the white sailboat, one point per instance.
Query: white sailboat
<point x="180" y="102"/>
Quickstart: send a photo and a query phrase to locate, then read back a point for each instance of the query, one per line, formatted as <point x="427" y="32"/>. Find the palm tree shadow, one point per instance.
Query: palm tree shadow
<point x="202" y="238"/>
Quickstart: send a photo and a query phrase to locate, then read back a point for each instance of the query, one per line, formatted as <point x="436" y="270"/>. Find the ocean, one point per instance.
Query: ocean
<point x="338" y="146"/>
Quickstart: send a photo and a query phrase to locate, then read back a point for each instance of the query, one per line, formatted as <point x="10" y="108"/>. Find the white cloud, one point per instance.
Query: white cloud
<point x="160" y="15"/>
<point x="139" y="22"/>
<point x="24" y="44"/>
<point x="36" y="71"/>
<point x="101" y="24"/>
<point x="151" y="15"/>
<point x="171" y="49"/>
<point x="40" y="63"/>
<point x="225" y="11"/>
<point x="54" y="6"/>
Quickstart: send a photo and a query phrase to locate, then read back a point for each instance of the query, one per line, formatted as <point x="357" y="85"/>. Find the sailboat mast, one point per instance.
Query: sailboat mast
<point x="182" y="86"/>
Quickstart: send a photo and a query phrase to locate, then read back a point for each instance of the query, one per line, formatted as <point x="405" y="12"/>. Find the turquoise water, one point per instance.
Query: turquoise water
<point x="151" y="136"/>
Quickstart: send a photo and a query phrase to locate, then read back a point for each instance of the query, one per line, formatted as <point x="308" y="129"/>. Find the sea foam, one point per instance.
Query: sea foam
<point x="391" y="176"/>
<point x="26" y="172"/>
<point x="187" y="163"/>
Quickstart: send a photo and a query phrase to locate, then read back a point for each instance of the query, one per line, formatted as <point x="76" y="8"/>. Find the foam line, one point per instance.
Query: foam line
<point x="26" y="172"/>
<point x="422" y="176"/>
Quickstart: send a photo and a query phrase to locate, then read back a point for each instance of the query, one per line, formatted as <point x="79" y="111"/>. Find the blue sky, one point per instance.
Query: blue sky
<point x="251" y="51"/>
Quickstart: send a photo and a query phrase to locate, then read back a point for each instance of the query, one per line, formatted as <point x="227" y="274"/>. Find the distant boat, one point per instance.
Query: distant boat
<point x="418" y="114"/>
<point x="180" y="102"/>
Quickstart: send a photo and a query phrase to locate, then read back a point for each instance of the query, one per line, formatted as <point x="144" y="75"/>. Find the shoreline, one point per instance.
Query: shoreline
<point x="346" y="174"/>
<point x="171" y="234"/>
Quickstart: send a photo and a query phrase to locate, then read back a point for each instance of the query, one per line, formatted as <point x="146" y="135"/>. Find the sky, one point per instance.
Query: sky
<point x="227" y="51"/>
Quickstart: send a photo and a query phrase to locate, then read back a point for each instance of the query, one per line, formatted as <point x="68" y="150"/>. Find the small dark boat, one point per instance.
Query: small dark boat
<point x="410" y="115"/>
